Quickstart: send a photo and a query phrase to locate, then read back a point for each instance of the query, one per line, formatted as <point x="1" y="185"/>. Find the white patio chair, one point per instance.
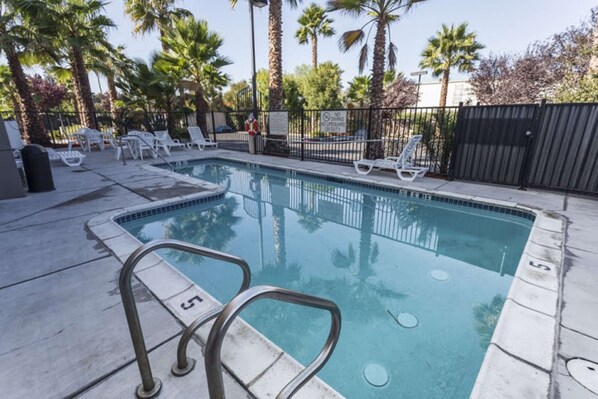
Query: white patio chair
<point x="401" y="164"/>
<point x="72" y="138"/>
<point x="91" y="137"/>
<point x="198" y="139"/>
<point x="69" y="158"/>
<point x="146" y="142"/>
<point x="164" y="141"/>
<point x="118" y="149"/>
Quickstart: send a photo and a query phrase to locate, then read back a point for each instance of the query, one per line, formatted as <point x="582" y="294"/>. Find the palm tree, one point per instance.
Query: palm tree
<point x="359" y="90"/>
<point x="381" y="14"/>
<point x="110" y="62"/>
<point x="193" y="51"/>
<point x="276" y="99"/>
<point x="16" y="17"/>
<point x="451" y="47"/>
<point x="79" y="26"/>
<point x="149" y="15"/>
<point x="313" y="23"/>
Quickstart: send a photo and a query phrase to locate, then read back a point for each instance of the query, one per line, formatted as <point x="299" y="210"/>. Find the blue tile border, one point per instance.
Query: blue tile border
<point x="372" y="186"/>
<point x="166" y="208"/>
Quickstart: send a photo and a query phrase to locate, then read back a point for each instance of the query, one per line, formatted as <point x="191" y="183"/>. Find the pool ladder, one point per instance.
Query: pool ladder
<point x="225" y="315"/>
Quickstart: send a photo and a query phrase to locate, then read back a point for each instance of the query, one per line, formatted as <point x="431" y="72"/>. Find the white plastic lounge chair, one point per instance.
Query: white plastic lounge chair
<point x="198" y="139"/>
<point x="69" y="158"/>
<point x="92" y="136"/>
<point x="147" y="142"/>
<point x="401" y="164"/>
<point x="164" y="141"/>
<point x="72" y="139"/>
<point x="118" y="149"/>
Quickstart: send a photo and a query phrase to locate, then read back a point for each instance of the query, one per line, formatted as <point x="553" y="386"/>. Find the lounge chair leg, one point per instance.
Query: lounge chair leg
<point x="411" y="175"/>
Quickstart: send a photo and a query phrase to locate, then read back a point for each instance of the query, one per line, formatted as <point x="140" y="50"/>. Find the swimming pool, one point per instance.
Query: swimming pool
<point x="420" y="283"/>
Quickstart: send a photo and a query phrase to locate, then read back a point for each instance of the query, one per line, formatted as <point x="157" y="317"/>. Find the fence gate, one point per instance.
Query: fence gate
<point x="565" y="153"/>
<point x="491" y="143"/>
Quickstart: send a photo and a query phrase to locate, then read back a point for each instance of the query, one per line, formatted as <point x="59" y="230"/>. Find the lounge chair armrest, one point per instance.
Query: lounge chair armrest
<point x="176" y="141"/>
<point x="395" y="159"/>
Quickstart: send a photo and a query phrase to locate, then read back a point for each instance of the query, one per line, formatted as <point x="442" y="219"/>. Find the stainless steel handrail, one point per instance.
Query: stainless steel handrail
<point x="151" y="386"/>
<point x="232" y="310"/>
<point x="120" y="144"/>
<point x="183" y="365"/>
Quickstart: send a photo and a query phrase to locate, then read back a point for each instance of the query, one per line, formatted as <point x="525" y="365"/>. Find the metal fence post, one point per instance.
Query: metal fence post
<point x="529" y="141"/>
<point x="302" y="135"/>
<point x="214" y="127"/>
<point x="453" y="159"/>
<point x="369" y="123"/>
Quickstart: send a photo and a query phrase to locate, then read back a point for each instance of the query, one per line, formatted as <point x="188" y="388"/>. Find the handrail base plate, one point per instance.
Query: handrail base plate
<point x="141" y="393"/>
<point x="179" y="372"/>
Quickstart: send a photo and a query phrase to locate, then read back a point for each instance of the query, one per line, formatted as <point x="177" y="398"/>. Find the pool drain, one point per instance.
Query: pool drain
<point x="407" y="320"/>
<point x="439" y="275"/>
<point x="376" y="375"/>
<point x="585" y="372"/>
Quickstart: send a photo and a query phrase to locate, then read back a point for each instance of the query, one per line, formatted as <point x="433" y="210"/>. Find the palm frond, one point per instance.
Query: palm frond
<point x="392" y="56"/>
<point x="363" y="58"/>
<point x="350" y="39"/>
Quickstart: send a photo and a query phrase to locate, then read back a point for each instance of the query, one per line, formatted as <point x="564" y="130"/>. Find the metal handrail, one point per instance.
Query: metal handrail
<point x="120" y="144"/>
<point x="231" y="311"/>
<point x="151" y="386"/>
<point x="183" y="365"/>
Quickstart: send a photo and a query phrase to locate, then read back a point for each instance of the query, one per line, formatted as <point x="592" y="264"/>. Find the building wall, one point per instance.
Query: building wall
<point x="458" y="91"/>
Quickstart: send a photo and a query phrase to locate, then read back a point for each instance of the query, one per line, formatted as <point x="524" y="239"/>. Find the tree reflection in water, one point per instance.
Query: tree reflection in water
<point x="212" y="228"/>
<point x="486" y="316"/>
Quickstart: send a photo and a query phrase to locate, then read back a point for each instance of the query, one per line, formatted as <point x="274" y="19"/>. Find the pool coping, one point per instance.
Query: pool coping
<point x="520" y="358"/>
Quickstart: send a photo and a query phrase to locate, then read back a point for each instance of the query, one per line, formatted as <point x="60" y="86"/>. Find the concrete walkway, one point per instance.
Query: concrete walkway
<point x="63" y="331"/>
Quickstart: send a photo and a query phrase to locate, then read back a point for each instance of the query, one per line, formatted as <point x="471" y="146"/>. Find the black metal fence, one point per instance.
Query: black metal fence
<point x="544" y="145"/>
<point x="540" y="145"/>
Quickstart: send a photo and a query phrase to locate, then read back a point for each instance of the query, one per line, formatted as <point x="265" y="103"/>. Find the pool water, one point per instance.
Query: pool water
<point x="420" y="283"/>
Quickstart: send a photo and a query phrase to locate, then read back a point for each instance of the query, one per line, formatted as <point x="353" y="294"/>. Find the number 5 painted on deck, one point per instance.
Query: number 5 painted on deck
<point x="190" y="302"/>
<point x="539" y="266"/>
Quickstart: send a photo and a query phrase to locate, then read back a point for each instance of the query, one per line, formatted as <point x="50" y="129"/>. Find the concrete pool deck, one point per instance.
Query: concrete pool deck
<point x="63" y="326"/>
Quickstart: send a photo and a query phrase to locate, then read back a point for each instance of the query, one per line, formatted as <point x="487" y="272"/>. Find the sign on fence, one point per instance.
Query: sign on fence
<point x="333" y="121"/>
<point x="279" y="122"/>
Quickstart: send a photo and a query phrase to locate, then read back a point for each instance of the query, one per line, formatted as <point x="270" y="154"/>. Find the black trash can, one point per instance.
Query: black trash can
<point x="37" y="168"/>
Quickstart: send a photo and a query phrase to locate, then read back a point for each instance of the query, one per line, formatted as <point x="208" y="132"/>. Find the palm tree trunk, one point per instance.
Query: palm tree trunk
<point x="314" y="51"/>
<point x="18" y="114"/>
<point x="164" y="46"/>
<point x="31" y="123"/>
<point x="84" y="88"/>
<point x="275" y="54"/>
<point x="375" y="150"/>
<point x="368" y="215"/>
<point x="201" y="108"/>
<point x="444" y="88"/>
<point x="113" y="98"/>
<point x="280" y="250"/>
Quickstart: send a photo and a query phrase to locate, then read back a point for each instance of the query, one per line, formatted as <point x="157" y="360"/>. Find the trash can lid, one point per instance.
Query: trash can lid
<point x="33" y="149"/>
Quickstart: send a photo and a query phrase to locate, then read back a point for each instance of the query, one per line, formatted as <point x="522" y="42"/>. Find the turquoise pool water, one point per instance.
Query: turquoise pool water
<point x="420" y="283"/>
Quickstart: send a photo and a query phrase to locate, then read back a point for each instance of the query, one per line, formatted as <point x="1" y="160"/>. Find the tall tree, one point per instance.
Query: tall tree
<point x="275" y="95"/>
<point x="451" y="47"/>
<point x="275" y="52"/>
<point x="402" y="92"/>
<point x="322" y="87"/>
<point x="381" y="14"/>
<point x="16" y="16"/>
<point x="313" y="23"/>
<point x="110" y="62"/>
<point x="150" y="15"/>
<point x="80" y="26"/>
<point x="194" y="52"/>
<point x="359" y="90"/>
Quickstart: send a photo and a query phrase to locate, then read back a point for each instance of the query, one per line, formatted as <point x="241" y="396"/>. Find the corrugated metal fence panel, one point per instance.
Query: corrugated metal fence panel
<point x="566" y="149"/>
<point x="490" y="142"/>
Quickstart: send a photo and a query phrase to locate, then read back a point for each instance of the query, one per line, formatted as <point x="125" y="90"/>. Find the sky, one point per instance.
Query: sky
<point x="506" y="26"/>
